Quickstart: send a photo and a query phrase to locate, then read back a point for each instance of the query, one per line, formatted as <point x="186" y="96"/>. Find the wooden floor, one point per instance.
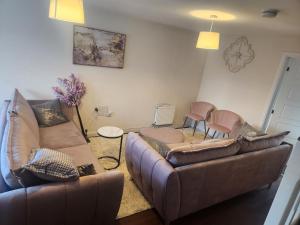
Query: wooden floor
<point x="248" y="209"/>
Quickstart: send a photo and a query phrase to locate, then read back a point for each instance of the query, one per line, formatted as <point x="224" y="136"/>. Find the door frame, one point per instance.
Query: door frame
<point x="276" y="86"/>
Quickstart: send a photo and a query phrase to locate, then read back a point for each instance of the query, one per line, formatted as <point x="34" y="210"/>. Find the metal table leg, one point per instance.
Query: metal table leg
<point x="118" y="160"/>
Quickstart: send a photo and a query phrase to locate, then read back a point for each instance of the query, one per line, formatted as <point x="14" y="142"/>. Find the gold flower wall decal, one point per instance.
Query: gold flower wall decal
<point x="238" y="54"/>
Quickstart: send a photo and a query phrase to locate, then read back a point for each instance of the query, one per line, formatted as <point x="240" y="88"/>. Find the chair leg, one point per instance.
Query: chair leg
<point x="214" y="134"/>
<point x="223" y="135"/>
<point x="206" y="133"/>
<point x="195" y="126"/>
<point x="184" y="122"/>
<point x="204" y="122"/>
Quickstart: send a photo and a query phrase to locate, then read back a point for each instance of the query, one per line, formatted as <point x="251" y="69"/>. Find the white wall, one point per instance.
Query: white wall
<point x="161" y="63"/>
<point x="287" y="196"/>
<point x="249" y="91"/>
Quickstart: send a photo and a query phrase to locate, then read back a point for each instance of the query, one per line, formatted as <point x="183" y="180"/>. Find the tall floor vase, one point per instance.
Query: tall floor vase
<point x="83" y="131"/>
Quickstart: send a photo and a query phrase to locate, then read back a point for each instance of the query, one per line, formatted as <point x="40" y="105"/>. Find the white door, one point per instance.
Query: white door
<point x="286" y="110"/>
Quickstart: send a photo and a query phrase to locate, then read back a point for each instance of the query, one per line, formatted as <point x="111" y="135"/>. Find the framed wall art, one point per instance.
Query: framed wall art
<point x="94" y="47"/>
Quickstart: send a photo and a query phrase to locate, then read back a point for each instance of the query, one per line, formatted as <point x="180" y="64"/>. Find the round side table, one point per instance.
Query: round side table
<point x="112" y="132"/>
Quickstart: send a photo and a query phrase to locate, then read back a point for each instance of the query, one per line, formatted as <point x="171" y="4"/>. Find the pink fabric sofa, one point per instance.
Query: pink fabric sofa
<point x="178" y="191"/>
<point x="92" y="199"/>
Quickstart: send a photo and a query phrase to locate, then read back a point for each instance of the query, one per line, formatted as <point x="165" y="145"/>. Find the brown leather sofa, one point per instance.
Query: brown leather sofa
<point x="92" y="199"/>
<point x="178" y="191"/>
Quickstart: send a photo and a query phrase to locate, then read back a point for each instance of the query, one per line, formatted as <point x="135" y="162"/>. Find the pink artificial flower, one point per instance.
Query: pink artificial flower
<point x="71" y="90"/>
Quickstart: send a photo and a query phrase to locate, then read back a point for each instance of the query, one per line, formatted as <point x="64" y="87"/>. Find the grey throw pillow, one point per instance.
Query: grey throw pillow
<point x="52" y="165"/>
<point x="49" y="113"/>
<point x="245" y="130"/>
<point x="250" y="144"/>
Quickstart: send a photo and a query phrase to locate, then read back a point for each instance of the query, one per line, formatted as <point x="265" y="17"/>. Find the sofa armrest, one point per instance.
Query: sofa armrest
<point x="154" y="176"/>
<point x="90" y="200"/>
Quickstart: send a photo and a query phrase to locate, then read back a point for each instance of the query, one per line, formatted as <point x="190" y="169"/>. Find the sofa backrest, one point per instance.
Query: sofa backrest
<point x="3" y="111"/>
<point x="207" y="183"/>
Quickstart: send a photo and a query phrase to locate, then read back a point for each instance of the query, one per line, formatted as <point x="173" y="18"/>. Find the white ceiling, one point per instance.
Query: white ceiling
<point x="176" y="13"/>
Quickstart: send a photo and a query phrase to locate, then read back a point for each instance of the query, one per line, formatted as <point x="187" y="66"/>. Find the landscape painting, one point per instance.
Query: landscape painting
<point x="95" y="47"/>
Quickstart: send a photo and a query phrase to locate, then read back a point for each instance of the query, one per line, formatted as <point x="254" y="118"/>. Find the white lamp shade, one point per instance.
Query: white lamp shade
<point x="67" y="10"/>
<point x="208" y="40"/>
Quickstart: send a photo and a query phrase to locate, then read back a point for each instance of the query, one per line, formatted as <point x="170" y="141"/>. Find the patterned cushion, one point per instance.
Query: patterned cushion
<point x="52" y="165"/>
<point x="49" y="113"/>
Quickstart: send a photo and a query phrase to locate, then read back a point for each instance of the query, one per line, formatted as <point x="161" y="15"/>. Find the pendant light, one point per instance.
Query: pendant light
<point x="67" y="10"/>
<point x="209" y="40"/>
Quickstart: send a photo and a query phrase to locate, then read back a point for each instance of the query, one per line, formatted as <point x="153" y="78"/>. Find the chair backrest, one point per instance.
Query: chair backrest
<point x="225" y="118"/>
<point x="202" y="108"/>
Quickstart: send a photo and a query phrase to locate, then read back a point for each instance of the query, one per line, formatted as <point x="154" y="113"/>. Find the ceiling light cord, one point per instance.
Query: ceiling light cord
<point x="209" y="39"/>
<point x="213" y="17"/>
<point x="211" y="25"/>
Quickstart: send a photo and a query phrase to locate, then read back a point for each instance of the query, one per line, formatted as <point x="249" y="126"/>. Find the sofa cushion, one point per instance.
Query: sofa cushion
<point x="21" y="107"/>
<point x="188" y="153"/>
<point x="67" y="111"/>
<point x="82" y="155"/>
<point x="159" y="137"/>
<point x="86" y="170"/>
<point x="21" y="135"/>
<point x="51" y="165"/>
<point x="166" y="135"/>
<point x="250" y="144"/>
<point x="61" y="136"/>
<point x="245" y="130"/>
<point x="17" y="145"/>
<point x="49" y="113"/>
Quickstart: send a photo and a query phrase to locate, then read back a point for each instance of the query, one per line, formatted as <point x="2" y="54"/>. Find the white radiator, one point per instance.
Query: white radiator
<point x="164" y="114"/>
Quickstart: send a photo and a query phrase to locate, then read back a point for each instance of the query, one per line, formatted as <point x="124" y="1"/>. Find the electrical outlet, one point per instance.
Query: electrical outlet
<point x="103" y="110"/>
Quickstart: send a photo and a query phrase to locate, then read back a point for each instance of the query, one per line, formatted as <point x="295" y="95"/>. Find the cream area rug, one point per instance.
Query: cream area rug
<point x="132" y="200"/>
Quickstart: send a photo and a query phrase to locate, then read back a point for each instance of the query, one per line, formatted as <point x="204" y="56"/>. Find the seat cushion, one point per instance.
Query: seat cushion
<point x="82" y="155"/>
<point x="159" y="137"/>
<point x="181" y="154"/>
<point x="166" y="135"/>
<point x="61" y="136"/>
